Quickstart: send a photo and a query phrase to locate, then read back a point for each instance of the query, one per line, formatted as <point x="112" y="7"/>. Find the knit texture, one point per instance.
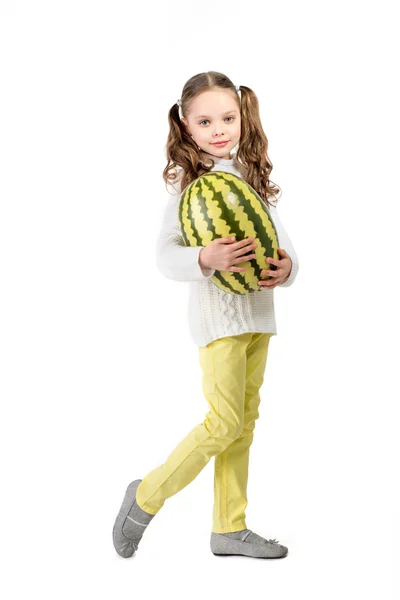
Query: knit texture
<point x="213" y="313"/>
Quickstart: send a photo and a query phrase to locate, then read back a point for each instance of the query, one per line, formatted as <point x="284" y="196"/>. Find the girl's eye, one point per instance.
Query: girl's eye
<point x="207" y="120"/>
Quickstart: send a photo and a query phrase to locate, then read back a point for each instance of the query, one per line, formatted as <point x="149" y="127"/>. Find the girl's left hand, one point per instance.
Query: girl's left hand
<point x="284" y="267"/>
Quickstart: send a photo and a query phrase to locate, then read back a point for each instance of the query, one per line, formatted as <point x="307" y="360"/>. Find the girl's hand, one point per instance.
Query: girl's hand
<point x="284" y="267"/>
<point x="222" y="253"/>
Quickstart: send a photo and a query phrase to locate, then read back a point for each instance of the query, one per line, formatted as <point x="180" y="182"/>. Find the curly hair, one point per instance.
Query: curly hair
<point x="183" y="152"/>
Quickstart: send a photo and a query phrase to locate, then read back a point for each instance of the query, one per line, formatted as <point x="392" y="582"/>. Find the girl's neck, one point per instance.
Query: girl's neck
<point x="217" y="159"/>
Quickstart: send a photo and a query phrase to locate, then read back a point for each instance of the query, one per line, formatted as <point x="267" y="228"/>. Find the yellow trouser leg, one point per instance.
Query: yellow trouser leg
<point x="231" y="465"/>
<point x="224" y="374"/>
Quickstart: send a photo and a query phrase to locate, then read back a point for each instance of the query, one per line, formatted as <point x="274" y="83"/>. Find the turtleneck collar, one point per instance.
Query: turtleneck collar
<point x="221" y="161"/>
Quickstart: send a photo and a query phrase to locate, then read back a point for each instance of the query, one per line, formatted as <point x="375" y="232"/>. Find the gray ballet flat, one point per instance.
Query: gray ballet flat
<point x="127" y="530"/>
<point x="222" y="545"/>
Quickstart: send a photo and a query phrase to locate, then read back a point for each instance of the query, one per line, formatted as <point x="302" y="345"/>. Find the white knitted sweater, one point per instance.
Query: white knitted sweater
<point x="213" y="313"/>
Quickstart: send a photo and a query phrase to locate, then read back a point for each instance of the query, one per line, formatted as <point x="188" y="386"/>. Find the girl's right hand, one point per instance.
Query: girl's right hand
<point x="222" y="253"/>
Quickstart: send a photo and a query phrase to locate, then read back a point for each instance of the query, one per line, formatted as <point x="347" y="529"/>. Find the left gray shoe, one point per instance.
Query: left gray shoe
<point x="130" y="523"/>
<point x="223" y="544"/>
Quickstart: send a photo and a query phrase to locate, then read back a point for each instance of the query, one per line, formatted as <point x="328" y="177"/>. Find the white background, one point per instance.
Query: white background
<point x="100" y="379"/>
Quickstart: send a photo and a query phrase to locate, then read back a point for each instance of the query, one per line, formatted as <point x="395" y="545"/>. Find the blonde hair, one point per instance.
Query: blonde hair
<point x="182" y="151"/>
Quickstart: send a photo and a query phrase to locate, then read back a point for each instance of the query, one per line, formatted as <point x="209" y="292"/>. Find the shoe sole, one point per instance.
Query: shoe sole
<point x="247" y="556"/>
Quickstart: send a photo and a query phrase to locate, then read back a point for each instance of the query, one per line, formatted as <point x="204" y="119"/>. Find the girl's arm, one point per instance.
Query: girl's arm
<point x="174" y="259"/>
<point x="286" y="244"/>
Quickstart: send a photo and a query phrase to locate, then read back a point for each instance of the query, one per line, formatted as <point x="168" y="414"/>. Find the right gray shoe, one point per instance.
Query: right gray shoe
<point x="222" y="545"/>
<point x="130" y="523"/>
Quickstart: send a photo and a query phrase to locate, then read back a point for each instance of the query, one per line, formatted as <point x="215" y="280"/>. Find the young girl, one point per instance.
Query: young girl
<point x="232" y="331"/>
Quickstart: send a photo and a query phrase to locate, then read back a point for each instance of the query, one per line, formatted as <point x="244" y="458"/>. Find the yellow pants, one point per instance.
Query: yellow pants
<point x="233" y="372"/>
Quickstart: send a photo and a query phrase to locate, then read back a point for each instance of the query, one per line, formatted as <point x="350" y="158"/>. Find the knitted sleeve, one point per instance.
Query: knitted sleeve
<point x="286" y="244"/>
<point x="174" y="259"/>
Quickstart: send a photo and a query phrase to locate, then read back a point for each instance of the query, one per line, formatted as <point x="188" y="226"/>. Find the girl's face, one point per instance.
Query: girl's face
<point x="214" y="116"/>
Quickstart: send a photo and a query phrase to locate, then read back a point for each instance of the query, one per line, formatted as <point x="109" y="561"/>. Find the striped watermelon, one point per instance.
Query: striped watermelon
<point x="219" y="204"/>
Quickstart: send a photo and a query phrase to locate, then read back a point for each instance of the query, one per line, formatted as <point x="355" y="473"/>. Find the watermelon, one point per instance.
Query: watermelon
<point x="219" y="204"/>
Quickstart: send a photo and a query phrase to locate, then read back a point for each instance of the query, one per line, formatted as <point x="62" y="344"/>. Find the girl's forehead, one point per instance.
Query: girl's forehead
<point x="212" y="102"/>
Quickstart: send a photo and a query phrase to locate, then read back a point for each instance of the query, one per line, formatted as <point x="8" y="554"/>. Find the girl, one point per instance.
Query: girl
<point x="232" y="331"/>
